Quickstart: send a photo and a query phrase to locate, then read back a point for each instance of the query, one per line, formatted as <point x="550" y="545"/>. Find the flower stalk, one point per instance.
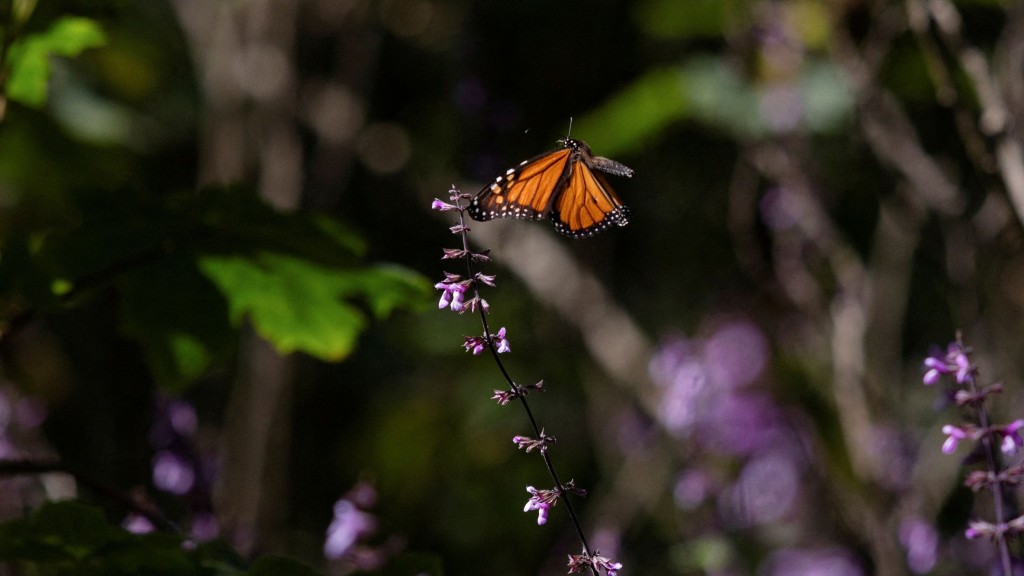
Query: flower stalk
<point x="455" y="289"/>
<point x="990" y="441"/>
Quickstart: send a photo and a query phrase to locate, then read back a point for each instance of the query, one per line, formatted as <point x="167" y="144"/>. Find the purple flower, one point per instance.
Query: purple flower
<point x="921" y="541"/>
<point x="171" y="473"/>
<point x="833" y="561"/>
<point x="962" y="363"/>
<point x="137" y="524"/>
<point x="539" y="502"/>
<point x="502" y="342"/>
<point x="204" y="527"/>
<point x="503" y="397"/>
<point x="531" y="444"/>
<point x="954" y="361"/>
<point x="349" y="525"/>
<point x="475" y="344"/>
<point x="442" y="206"/>
<point x="452" y="295"/>
<point x="955" y="434"/>
<point x="1011" y="436"/>
<point x="936" y="368"/>
<point x="980" y="529"/>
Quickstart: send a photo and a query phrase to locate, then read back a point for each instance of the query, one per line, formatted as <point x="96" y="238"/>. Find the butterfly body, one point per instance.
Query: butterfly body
<point x="565" y="185"/>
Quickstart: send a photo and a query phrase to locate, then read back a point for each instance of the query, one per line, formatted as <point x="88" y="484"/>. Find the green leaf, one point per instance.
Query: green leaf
<point x="70" y="537"/>
<point x="299" y="305"/>
<point x="29" y="62"/>
<point x="58" y="531"/>
<point x="641" y="110"/>
<point x="707" y="89"/>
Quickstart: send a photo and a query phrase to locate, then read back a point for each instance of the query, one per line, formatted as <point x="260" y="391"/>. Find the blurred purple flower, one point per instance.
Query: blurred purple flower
<point x="812" y="562"/>
<point x="921" y="541"/>
<point x="679" y="371"/>
<point x="780" y="208"/>
<point x="348" y="526"/>
<point x="766" y="492"/>
<point x="137" y="524"/>
<point x="895" y="470"/>
<point x="1011" y="436"/>
<point x="172" y="474"/>
<point x="204" y="527"/>
<point x="736" y="354"/>
<point x="692" y="488"/>
<point x="29" y="412"/>
<point x="741" y="424"/>
<point x="183" y="419"/>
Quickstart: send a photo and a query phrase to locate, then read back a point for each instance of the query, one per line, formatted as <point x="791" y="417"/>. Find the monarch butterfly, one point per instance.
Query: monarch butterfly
<point x="565" y="184"/>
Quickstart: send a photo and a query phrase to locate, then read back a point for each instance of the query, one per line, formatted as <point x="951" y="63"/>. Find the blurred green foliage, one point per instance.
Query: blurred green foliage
<point x="71" y="538"/>
<point x="28" y="58"/>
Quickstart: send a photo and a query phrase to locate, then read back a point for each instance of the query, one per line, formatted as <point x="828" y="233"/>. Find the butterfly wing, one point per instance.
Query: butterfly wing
<point x="526" y="191"/>
<point x="588" y="204"/>
<point x="564" y="183"/>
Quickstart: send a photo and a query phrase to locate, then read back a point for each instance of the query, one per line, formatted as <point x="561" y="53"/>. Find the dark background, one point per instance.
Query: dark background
<point x="819" y="200"/>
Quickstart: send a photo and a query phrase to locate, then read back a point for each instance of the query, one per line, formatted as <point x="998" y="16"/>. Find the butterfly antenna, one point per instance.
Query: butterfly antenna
<point x="565" y="141"/>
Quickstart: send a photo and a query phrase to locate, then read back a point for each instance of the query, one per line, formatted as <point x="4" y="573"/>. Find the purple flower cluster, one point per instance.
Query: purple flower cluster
<point x="543" y="500"/>
<point x="954" y="361"/>
<point x="985" y="436"/>
<point x="477" y="344"/>
<point x="531" y="444"/>
<point x="1008" y="433"/>
<point x="181" y="467"/>
<point x="746" y="452"/>
<point x="454" y="290"/>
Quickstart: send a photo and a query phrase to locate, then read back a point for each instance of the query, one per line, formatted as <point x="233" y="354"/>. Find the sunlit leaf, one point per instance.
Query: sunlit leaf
<point x="637" y="113"/>
<point x="708" y="90"/>
<point x="28" y="58"/>
<point x="299" y="305"/>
